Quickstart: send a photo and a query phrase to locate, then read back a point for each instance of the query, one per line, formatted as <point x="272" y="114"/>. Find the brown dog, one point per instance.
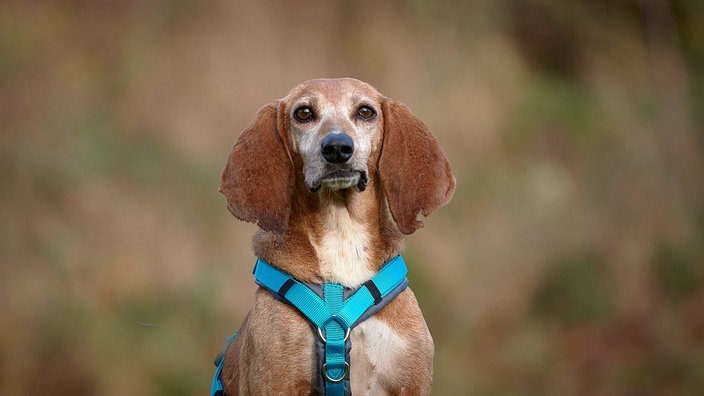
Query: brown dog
<point x="334" y="174"/>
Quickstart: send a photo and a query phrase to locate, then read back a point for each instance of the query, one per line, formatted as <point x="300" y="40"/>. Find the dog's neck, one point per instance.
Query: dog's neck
<point x="334" y="236"/>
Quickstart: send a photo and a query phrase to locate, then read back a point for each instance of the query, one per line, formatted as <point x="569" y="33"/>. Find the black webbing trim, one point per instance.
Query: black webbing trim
<point x="373" y="290"/>
<point x="284" y="288"/>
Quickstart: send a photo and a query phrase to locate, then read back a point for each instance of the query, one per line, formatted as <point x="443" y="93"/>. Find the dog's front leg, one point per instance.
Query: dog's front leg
<point x="273" y="354"/>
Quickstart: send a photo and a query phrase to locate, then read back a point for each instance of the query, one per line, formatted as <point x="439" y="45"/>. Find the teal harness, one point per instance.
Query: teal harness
<point x="332" y="310"/>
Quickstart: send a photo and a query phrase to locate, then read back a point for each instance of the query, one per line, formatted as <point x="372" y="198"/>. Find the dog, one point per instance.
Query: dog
<point x="334" y="175"/>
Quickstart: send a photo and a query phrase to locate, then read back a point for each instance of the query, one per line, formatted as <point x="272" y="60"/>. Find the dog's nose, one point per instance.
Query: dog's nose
<point x="337" y="148"/>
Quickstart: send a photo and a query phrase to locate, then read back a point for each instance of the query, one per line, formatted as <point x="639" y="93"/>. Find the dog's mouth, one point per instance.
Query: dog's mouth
<point x="340" y="179"/>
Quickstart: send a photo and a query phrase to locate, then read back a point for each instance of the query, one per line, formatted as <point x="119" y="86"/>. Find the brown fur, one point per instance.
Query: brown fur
<point x="414" y="172"/>
<point x="258" y="177"/>
<point x="263" y="183"/>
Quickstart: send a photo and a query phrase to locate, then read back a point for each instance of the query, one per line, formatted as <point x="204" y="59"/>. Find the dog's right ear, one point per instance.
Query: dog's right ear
<point x="258" y="177"/>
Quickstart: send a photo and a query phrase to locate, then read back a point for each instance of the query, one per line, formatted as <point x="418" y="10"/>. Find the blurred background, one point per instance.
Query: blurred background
<point x="570" y="262"/>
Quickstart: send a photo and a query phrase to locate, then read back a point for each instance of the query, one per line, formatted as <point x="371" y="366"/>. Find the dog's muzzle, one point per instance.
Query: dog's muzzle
<point x="337" y="148"/>
<point x="340" y="179"/>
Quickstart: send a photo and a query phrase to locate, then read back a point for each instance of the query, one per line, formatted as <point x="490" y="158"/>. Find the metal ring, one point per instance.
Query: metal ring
<point x="335" y="380"/>
<point x="322" y="337"/>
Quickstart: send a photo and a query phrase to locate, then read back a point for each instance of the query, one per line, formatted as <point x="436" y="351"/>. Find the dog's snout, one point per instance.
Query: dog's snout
<point x="337" y="148"/>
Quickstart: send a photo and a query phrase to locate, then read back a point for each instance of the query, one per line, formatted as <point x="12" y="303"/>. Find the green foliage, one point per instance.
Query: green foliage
<point x="553" y="109"/>
<point x="575" y="290"/>
<point x="677" y="273"/>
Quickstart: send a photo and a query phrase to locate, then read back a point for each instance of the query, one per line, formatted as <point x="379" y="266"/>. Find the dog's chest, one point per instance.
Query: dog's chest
<point x="376" y="353"/>
<point x="343" y="252"/>
<point x="343" y="248"/>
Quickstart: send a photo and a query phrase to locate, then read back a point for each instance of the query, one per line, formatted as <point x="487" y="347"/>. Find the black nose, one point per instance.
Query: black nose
<point x="337" y="148"/>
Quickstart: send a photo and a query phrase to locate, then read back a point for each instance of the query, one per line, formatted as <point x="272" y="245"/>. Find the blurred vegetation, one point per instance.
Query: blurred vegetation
<point x="571" y="261"/>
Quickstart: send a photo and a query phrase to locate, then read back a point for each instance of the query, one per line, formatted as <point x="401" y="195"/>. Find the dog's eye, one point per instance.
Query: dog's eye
<point x="366" y="113"/>
<point x="303" y="114"/>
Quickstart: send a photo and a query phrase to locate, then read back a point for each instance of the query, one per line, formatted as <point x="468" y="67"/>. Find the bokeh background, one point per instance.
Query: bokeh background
<point x="570" y="262"/>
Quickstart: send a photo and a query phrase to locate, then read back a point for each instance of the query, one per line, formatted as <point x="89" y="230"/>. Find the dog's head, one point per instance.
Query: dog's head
<point x="335" y="134"/>
<point x="333" y="125"/>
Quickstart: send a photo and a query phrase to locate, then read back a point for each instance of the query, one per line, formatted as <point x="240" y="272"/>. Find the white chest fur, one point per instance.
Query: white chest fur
<point x="377" y="352"/>
<point x="343" y="250"/>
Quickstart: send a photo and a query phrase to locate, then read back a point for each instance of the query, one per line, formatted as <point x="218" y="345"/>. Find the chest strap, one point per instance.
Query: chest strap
<point x="332" y="310"/>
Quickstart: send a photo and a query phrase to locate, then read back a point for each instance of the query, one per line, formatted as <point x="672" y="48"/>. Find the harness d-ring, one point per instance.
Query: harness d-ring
<point x="335" y="380"/>
<point x="322" y="337"/>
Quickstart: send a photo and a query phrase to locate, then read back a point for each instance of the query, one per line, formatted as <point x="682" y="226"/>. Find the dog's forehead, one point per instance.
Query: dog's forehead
<point x="334" y="90"/>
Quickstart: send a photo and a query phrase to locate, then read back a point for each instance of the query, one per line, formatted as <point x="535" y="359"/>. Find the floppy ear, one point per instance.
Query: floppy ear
<point x="258" y="177"/>
<point x="414" y="173"/>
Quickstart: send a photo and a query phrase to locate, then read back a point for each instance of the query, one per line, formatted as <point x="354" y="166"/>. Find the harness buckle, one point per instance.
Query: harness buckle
<point x="335" y="380"/>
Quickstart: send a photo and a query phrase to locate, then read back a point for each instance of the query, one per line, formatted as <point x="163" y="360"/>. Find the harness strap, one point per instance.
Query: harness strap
<point x="336" y="368"/>
<point x="216" y="388"/>
<point x="331" y="315"/>
<point x="298" y="294"/>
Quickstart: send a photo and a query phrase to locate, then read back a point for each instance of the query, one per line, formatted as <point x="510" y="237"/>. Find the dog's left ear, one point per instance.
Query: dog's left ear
<point x="413" y="169"/>
<point x="258" y="177"/>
